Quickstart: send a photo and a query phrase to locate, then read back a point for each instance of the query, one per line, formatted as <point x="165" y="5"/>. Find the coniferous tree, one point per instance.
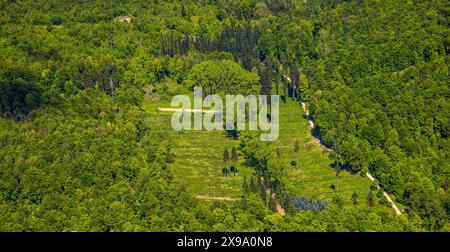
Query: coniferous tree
<point x="296" y="150"/>
<point x="226" y="156"/>
<point x="225" y="172"/>
<point x="263" y="193"/>
<point x="245" y="186"/>
<point x="272" y="205"/>
<point x="183" y="9"/>
<point x="370" y="199"/>
<point x="266" y="81"/>
<point x="234" y="155"/>
<point x="254" y="186"/>
<point x="266" y="181"/>
<point x="355" y="198"/>
<point x="277" y="79"/>
<point x="233" y="170"/>
<point x="246" y="192"/>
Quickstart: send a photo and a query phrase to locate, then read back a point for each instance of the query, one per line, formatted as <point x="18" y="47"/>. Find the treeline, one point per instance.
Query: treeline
<point x="170" y="45"/>
<point x="239" y="40"/>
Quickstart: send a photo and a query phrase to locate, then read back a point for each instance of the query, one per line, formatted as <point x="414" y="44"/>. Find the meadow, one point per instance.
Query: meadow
<point x="198" y="159"/>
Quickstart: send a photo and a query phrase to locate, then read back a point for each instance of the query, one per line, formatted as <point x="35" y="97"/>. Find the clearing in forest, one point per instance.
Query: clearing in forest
<point x="199" y="159"/>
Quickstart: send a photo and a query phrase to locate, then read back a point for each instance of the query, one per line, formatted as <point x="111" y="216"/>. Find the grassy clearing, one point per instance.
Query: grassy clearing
<point x="199" y="158"/>
<point x="198" y="161"/>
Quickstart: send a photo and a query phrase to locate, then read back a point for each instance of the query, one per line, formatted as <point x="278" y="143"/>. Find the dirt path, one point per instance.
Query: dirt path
<point x="202" y="197"/>
<point x="185" y="110"/>
<point x="396" y="209"/>
<point x="312" y="125"/>
<point x="278" y="206"/>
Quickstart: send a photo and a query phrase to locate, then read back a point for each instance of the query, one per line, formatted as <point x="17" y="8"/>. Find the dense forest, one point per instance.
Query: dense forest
<point x="78" y="153"/>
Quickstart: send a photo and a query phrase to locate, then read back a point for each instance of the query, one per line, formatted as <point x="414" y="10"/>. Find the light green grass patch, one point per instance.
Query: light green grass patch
<point x="199" y="159"/>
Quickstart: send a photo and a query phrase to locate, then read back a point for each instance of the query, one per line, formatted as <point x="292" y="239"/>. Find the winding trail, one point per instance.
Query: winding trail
<point x="312" y="126"/>
<point x="396" y="209"/>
